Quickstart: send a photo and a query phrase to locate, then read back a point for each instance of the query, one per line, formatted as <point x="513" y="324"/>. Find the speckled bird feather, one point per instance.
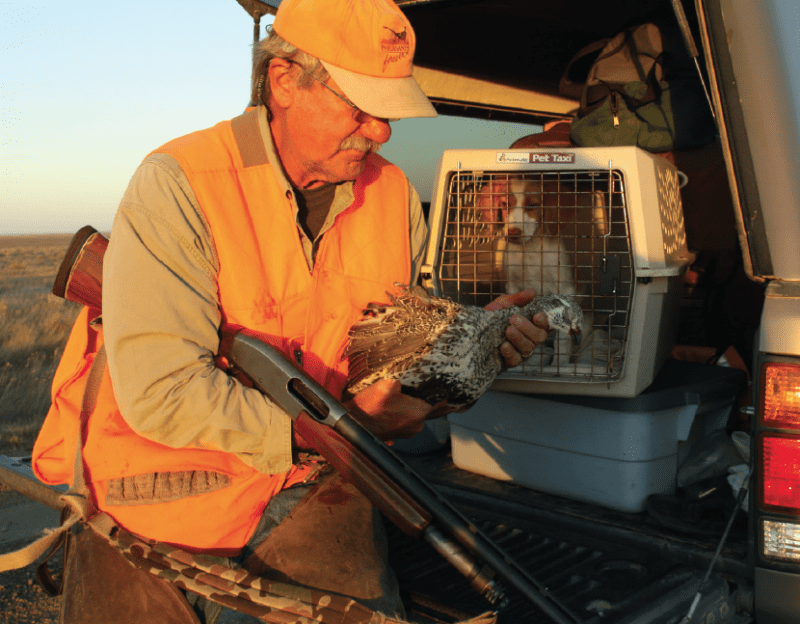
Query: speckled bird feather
<point x="440" y="350"/>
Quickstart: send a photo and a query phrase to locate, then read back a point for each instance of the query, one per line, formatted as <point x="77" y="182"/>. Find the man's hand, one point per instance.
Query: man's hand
<point x="522" y="335"/>
<point x="390" y="414"/>
<point x="386" y="412"/>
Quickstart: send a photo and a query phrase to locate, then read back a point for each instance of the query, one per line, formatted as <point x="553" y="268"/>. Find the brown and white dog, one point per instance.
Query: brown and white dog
<point x="532" y="220"/>
<point x="543" y="224"/>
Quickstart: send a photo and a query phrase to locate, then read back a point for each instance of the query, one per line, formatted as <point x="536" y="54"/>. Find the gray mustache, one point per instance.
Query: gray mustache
<point x="361" y="144"/>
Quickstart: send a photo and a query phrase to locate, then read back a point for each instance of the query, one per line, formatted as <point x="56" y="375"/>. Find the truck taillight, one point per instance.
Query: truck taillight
<point x="779" y="491"/>
<point x="781" y="540"/>
<point x="780" y="395"/>
<point x="777" y="465"/>
<point x="780" y="471"/>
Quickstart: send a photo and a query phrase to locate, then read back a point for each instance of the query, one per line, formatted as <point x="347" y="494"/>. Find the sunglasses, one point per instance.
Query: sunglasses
<point x="358" y="114"/>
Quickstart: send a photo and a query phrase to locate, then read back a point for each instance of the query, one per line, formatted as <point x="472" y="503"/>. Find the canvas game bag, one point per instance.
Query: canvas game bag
<point x="640" y="90"/>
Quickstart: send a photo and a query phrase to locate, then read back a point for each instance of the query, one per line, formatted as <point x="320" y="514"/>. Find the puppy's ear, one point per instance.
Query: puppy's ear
<point x="492" y="199"/>
<point x="600" y="216"/>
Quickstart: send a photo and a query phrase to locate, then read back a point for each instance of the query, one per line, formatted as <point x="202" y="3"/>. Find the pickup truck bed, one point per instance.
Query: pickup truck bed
<point x="603" y="565"/>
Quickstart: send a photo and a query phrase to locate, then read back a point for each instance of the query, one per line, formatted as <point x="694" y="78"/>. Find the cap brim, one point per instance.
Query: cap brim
<point x="386" y="98"/>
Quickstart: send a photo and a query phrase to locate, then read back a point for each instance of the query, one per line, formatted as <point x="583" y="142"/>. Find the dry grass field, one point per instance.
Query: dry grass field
<point x="34" y="325"/>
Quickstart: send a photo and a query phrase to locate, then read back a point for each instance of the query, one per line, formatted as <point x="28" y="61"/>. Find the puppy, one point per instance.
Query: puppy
<point x="535" y="257"/>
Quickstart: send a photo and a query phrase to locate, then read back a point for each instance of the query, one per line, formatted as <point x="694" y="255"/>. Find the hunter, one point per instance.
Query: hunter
<point x="284" y="221"/>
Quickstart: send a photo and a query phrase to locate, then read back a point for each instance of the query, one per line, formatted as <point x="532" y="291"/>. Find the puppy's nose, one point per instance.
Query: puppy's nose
<point x="514" y="232"/>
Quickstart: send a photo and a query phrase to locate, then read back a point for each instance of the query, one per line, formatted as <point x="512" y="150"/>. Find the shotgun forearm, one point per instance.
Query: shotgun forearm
<point x="354" y="452"/>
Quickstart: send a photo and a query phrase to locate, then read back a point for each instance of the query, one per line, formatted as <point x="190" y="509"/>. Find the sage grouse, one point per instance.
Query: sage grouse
<point x="440" y="350"/>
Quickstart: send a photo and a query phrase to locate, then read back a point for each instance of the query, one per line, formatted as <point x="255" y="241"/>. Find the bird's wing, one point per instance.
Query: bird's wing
<point x="392" y="337"/>
<point x="387" y="344"/>
<point x="390" y="356"/>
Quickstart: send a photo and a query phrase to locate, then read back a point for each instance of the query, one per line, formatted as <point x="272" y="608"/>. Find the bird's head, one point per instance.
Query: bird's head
<point x="566" y="317"/>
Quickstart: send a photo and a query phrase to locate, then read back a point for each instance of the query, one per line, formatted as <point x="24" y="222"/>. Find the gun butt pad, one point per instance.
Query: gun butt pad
<point x="80" y="276"/>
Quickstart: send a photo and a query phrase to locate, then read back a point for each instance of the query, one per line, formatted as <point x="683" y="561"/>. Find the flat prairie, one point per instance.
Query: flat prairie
<point x="34" y="325"/>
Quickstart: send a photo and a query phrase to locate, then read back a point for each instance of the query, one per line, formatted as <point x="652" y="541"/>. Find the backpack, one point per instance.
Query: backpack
<point x="642" y="89"/>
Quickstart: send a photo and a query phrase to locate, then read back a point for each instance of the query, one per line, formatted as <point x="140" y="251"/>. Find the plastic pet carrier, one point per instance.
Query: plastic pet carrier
<point x="604" y="225"/>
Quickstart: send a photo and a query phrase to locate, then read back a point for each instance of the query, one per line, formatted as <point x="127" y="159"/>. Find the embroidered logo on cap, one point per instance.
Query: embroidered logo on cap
<point x="400" y="36"/>
<point x="396" y="47"/>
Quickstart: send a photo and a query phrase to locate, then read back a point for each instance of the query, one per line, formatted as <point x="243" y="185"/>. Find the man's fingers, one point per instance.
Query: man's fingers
<point x="442" y="408"/>
<point x="510" y="355"/>
<point x="372" y="399"/>
<point x="540" y="319"/>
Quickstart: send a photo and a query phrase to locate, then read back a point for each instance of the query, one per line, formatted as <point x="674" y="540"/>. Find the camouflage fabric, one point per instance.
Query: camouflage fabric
<point x="270" y="601"/>
<point x="237" y="589"/>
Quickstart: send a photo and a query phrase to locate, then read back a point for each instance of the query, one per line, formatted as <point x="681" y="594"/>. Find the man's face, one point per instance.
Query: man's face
<point x="325" y="139"/>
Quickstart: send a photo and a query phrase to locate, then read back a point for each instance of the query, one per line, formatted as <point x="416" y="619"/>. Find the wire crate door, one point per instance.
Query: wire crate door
<point x="556" y="232"/>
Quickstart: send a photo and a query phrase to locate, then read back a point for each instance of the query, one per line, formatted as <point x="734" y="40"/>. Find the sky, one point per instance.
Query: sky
<point x="88" y="89"/>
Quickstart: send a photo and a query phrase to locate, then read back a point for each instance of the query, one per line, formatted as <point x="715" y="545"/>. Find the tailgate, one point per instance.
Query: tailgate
<point x="605" y="566"/>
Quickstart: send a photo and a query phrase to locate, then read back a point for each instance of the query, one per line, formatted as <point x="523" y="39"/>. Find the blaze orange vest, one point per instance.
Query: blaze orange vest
<point x="264" y="285"/>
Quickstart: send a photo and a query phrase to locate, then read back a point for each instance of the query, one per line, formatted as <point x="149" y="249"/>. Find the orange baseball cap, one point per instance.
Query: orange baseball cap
<point x="367" y="46"/>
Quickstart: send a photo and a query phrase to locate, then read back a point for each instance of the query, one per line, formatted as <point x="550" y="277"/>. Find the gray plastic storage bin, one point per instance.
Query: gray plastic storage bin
<point x="611" y="451"/>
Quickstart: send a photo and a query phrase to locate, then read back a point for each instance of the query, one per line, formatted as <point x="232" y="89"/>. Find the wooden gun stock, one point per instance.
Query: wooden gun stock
<point x="392" y="486"/>
<point x="80" y="277"/>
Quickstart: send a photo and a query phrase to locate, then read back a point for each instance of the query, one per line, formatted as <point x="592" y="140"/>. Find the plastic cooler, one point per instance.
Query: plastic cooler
<point x="610" y="451"/>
